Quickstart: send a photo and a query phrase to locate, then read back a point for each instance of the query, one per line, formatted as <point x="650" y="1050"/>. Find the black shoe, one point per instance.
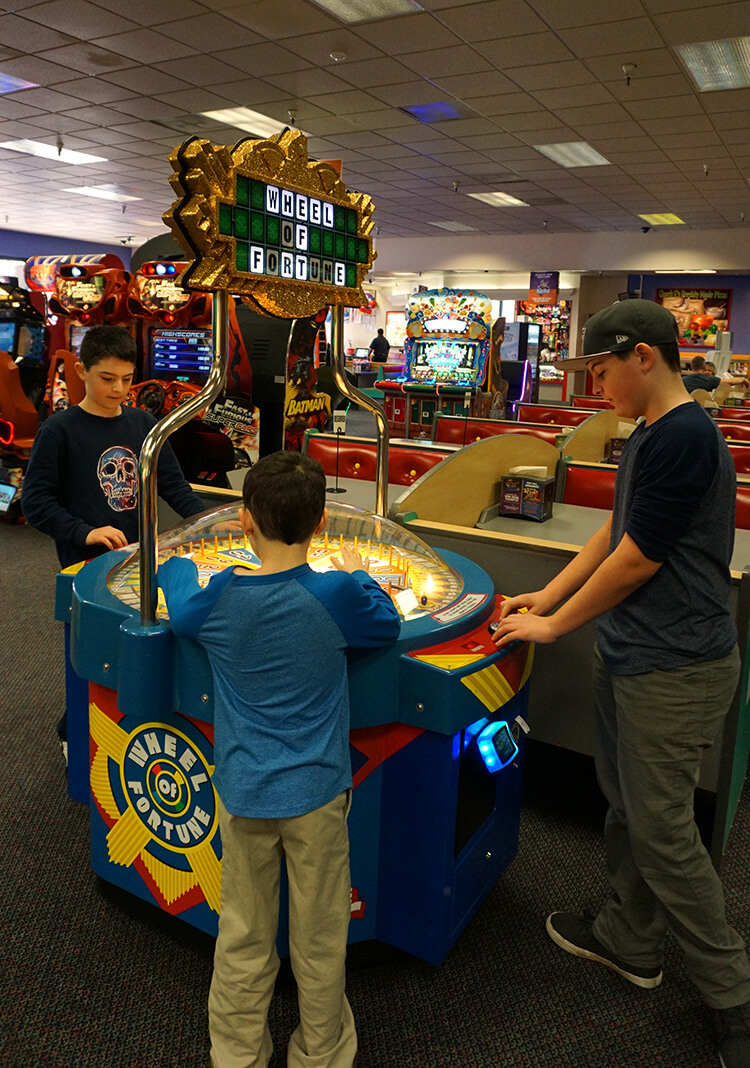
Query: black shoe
<point x="733" y="1035"/>
<point x="575" y="935"/>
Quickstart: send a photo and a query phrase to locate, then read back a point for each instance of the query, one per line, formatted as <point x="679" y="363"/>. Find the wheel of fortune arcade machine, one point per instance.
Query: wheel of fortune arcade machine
<point x="436" y="745"/>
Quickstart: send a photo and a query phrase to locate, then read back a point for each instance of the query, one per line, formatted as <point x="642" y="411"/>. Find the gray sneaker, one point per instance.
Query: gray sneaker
<point x="733" y="1035"/>
<point x="575" y="935"/>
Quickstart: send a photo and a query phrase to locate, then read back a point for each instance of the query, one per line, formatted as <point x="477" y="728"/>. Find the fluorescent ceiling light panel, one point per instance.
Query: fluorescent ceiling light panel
<point x="103" y="192"/>
<point x="454" y="227"/>
<point x="9" y="84"/>
<point x="664" y="218"/>
<point x="38" y="148"/>
<point x="573" y="154"/>
<point x="249" y="121"/>
<point x="715" y="65"/>
<point x="499" y="200"/>
<point x="367" y="10"/>
<point x="690" y="270"/>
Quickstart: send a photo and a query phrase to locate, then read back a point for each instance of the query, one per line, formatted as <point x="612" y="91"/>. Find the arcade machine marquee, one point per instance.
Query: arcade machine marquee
<point x="435" y="745"/>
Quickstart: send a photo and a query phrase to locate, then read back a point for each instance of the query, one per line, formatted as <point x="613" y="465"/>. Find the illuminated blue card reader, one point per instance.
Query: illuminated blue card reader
<point x="497" y="746"/>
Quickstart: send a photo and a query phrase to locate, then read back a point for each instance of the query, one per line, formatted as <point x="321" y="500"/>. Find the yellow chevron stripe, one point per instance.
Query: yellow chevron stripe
<point x="172" y="882"/>
<point x="100" y="784"/>
<point x="451" y="661"/>
<point x="126" y="839"/>
<point x="490" y="687"/>
<point x="106" y="734"/>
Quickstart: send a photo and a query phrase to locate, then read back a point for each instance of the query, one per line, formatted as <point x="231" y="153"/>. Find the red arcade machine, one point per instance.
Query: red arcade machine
<point x="173" y="330"/>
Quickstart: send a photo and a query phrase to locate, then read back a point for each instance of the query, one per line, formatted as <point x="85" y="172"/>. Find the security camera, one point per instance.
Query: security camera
<point x="645" y="229"/>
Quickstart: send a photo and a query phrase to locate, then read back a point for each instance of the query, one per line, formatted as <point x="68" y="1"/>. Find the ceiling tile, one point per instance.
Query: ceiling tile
<point x="146" y="46"/>
<point x="78" y="18"/>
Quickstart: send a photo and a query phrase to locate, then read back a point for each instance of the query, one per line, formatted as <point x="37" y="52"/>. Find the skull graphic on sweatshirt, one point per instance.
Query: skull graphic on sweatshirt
<point x="118" y="476"/>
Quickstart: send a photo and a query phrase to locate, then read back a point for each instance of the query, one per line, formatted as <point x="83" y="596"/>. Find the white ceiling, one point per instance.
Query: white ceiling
<point x="129" y="85"/>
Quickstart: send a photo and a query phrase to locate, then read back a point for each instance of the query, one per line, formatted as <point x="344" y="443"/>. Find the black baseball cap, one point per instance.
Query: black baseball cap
<point x="620" y="327"/>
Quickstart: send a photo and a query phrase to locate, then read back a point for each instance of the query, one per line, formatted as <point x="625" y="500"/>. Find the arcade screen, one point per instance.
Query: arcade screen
<point x="180" y="353"/>
<point x="7" y="336"/>
<point x="81" y="294"/>
<point x="75" y="337"/>
<point x="445" y="361"/>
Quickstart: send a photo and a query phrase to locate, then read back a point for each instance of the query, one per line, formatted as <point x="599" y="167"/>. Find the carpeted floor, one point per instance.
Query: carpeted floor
<point x="90" y="978"/>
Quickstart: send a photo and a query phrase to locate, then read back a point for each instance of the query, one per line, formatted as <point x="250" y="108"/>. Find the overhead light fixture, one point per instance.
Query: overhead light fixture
<point x="367" y="10"/>
<point x="573" y="154"/>
<point x="499" y="200"/>
<point x="716" y="65"/>
<point x="65" y="155"/>
<point x="103" y="192"/>
<point x="690" y="270"/>
<point x="440" y="111"/>
<point x="9" y="84"/>
<point x="249" y="121"/>
<point x="454" y="227"/>
<point x="665" y="218"/>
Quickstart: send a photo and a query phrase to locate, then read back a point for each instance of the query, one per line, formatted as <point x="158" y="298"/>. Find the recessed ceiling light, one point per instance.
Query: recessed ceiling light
<point x="367" y="10"/>
<point x="664" y="218"/>
<point x="454" y="227"/>
<point x="573" y="154"/>
<point x="103" y="192"/>
<point x="38" y="148"/>
<point x="499" y="200"/>
<point x="9" y="84"/>
<point x="440" y="111"/>
<point x="690" y="270"/>
<point x="715" y="65"/>
<point x="249" y="121"/>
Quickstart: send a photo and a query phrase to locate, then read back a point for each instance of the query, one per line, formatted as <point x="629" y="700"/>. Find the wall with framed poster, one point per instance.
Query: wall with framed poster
<point x="700" y="313"/>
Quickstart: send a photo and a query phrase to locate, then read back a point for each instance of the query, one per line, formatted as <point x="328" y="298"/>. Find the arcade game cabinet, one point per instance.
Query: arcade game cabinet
<point x="437" y="719"/>
<point x="23" y="362"/>
<point x="445" y="359"/>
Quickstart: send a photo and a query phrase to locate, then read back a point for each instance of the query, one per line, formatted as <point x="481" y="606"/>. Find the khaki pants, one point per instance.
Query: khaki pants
<point x="245" y="961"/>
<point x="650" y="733"/>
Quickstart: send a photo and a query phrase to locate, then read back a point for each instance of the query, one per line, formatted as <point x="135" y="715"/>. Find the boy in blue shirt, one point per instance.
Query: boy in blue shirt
<point x="656" y="579"/>
<point x="276" y="639"/>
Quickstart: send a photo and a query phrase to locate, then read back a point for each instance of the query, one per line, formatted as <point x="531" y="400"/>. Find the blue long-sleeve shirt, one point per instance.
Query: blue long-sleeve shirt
<point x="83" y="474"/>
<point x="277" y="648"/>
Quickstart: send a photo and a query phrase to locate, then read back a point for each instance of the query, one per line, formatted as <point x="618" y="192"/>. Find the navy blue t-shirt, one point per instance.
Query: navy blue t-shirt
<point x="675" y="496"/>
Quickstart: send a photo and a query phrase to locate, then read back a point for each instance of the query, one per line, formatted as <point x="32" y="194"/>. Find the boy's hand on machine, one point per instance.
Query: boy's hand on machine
<point x="350" y="560"/>
<point x="536" y="603"/>
<point x="109" y="536"/>
<point x="522" y="626"/>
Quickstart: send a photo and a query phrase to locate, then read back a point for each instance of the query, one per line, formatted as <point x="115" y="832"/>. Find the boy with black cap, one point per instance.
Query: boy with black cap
<point x="656" y="579"/>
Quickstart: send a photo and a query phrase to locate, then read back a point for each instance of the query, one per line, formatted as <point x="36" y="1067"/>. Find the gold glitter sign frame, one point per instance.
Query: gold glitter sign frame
<point x="262" y="221"/>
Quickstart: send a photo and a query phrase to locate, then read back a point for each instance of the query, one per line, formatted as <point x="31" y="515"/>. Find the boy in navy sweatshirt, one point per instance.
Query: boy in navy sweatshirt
<point x="81" y="484"/>
<point x="276" y="639"/>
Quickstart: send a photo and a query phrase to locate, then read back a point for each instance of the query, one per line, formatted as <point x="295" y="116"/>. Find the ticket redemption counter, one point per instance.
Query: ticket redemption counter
<point x="436" y="746"/>
<point x="522" y="555"/>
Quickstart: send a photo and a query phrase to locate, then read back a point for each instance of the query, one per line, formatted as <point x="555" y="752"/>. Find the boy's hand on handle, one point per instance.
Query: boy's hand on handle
<point x="522" y="618"/>
<point x="350" y="560"/>
<point x="109" y="536"/>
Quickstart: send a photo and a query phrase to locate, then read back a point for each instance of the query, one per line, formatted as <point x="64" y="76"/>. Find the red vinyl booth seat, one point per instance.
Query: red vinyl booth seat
<point x="742" y="522"/>
<point x="456" y="431"/>
<point x="590" y="487"/>
<point x="562" y="415"/>
<point x="358" y="459"/>
<point x="735" y="413"/>
<point x="741" y="456"/>
<point x="591" y="402"/>
<point x="734" y="429"/>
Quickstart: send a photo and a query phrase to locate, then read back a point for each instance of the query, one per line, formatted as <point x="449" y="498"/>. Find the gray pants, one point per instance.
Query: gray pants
<point x="650" y="732"/>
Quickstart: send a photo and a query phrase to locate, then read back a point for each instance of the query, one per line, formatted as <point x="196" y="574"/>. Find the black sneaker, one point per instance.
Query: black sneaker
<point x="733" y="1035"/>
<point x="575" y="935"/>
